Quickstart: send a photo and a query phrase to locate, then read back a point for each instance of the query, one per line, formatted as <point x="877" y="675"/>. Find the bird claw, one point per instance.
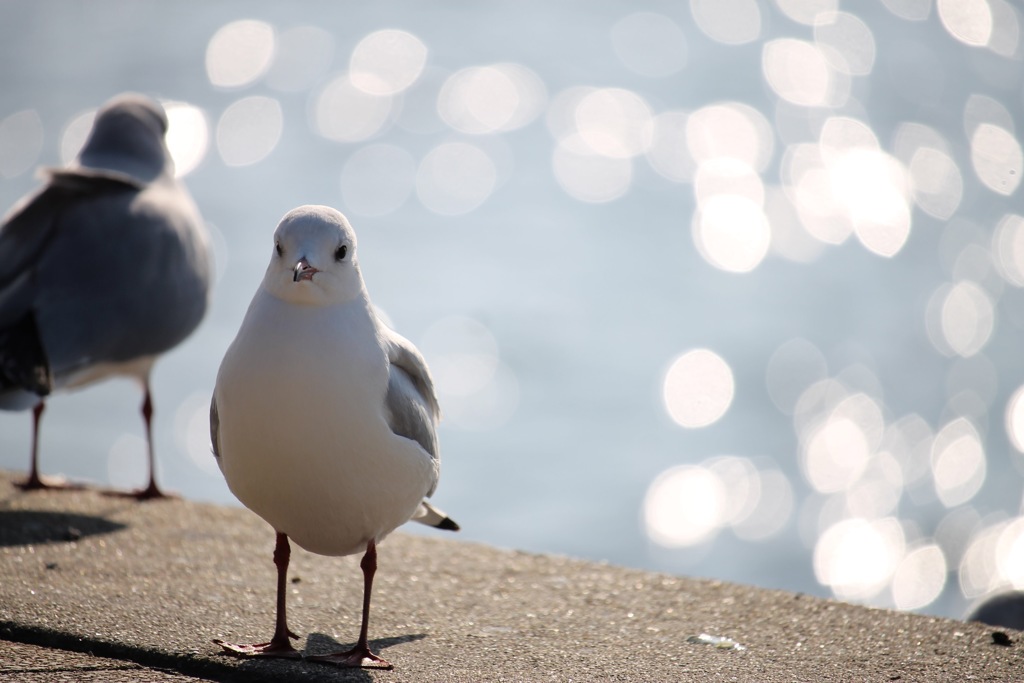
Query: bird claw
<point x="152" y="492"/>
<point x="356" y="658"/>
<point x="272" y="649"/>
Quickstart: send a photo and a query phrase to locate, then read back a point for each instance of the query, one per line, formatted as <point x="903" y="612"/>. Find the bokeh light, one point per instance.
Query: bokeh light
<point x="344" y="113"/>
<point x="730" y="129"/>
<point x="489" y="99"/>
<point x="959" y="464"/>
<point x="966" y="316"/>
<point x="698" y="388"/>
<point x="969" y="21"/>
<point x="684" y="506"/>
<point x="878" y="489"/>
<point x="742" y="483"/>
<point x="188" y="136"/>
<point x="727" y="176"/>
<point x="980" y="109"/>
<point x="937" y="183"/>
<point x="732" y="233"/>
<point x="1005" y="37"/>
<point x="806" y="11"/>
<point x="920" y="578"/>
<point x="857" y="558"/>
<point x="837" y="451"/>
<point x="590" y="177"/>
<point x="249" y="130"/>
<point x="798" y="72"/>
<point x="869" y="187"/>
<point x="614" y="122"/>
<point x="773" y="510"/>
<point x="997" y="158"/>
<point x="911" y="10"/>
<point x="239" y="53"/>
<point x="1010" y="554"/>
<point x="846" y="42"/>
<point x="1008" y="248"/>
<point x="73" y="136"/>
<point x="978" y="572"/>
<point x="455" y="178"/>
<point x="994" y="558"/>
<point x="387" y="62"/>
<point x="1014" y="419"/>
<point x="732" y="22"/>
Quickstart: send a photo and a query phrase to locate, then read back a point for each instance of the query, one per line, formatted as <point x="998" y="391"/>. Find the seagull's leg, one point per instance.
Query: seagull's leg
<point x="279" y="645"/>
<point x="360" y="655"/>
<point x="152" y="490"/>
<point x="34" y="481"/>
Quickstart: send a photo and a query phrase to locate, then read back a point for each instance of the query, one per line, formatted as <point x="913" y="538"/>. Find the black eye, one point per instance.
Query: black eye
<point x="340" y="254"/>
<point x="277" y="247"/>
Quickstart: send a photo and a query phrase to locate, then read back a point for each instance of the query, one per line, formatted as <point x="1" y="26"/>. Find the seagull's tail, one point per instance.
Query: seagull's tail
<point x="431" y="516"/>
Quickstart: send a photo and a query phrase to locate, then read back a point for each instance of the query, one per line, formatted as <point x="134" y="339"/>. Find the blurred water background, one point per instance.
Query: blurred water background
<point x="727" y="288"/>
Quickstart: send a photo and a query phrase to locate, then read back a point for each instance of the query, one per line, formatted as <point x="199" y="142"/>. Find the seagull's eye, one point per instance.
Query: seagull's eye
<point x="278" y="249"/>
<point x="340" y="254"/>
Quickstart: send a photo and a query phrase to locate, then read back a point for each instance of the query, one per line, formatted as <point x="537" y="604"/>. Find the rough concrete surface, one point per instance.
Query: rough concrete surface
<point x="97" y="587"/>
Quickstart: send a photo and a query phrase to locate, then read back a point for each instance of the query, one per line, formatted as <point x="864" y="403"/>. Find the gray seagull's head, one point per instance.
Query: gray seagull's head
<point x="314" y="258"/>
<point x="127" y="137"/>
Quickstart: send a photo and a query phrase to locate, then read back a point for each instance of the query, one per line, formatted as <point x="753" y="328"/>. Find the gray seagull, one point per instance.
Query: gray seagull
<point x="103" y="269"/>
<point x="324" y="419"/>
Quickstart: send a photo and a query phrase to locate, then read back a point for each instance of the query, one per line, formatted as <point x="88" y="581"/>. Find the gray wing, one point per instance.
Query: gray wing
<point x="413" y="411"/>
<point x="31" y="225"/>
<point x="411" y="402"/>
<point x="124" y="273"/>
<point x="215" y="428"/>
<point x="26" y="235"/>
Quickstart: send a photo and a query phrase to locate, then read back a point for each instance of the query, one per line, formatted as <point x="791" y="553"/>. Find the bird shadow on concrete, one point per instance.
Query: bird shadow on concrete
<point x="323" y="644"/>
<point x="320" y="644"/>
<point x="30" y="527"/>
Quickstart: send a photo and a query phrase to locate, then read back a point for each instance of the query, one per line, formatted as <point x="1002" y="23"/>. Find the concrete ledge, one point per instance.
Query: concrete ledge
<point x="149" y="585"/>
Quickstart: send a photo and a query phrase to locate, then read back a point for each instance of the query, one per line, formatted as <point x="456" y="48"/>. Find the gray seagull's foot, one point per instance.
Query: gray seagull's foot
<point x="358" y="657"/>
<point x="275" y="648"/>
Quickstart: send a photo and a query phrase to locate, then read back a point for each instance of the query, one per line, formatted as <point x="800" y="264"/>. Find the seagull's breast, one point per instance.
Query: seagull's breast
<point x="304" y="440"/>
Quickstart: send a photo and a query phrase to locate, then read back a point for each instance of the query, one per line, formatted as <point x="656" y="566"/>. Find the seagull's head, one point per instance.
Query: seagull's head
<point x="314" y="259"/>
<point x="127" y="136"/>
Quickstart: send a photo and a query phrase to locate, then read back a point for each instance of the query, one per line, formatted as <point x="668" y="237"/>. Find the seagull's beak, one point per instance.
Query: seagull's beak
<point x="303" y="271"/>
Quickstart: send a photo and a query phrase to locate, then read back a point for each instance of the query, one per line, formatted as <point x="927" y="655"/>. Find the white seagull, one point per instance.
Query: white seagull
<point x="103" y="269"/>
<point x="323" y="419"/>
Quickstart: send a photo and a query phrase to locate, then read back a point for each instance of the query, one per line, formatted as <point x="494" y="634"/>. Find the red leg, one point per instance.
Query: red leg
<point x="360" y="655"/>
<point x="152" y="490"/>
<point x="34" y="481"/>
<point x="279" y="645"/>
